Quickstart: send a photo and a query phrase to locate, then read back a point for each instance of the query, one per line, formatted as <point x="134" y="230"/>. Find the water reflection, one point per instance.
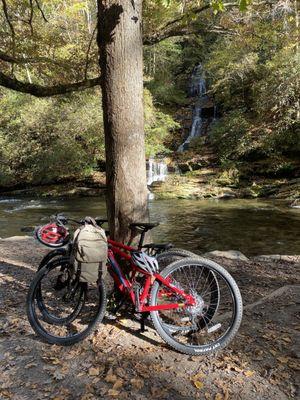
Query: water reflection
<point x="253" y="227"/>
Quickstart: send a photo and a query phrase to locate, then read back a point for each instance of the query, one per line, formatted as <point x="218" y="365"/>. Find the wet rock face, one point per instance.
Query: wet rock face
<point x="204" y="110"/>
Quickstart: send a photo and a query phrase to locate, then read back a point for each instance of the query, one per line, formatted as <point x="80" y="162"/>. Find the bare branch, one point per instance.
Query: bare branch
<point x="87" y="58"/>
<point x="179" y="26"/>
<point x="11" y="27"/>
<point x="31" y="16"/>
<point x="46" y="91"/>
<point x="4" y="6"/>
<point x="33" y="60"/>
<point x="41" y="10"/>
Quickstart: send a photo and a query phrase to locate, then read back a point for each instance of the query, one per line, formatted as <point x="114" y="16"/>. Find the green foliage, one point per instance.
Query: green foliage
<point x="46" y="140"/>
<point x="157" y="127"/>
<point x="251" y="60"/>
<point x="255" y="79"/>
<point x="49" y="139"/>
<point x="231" y="136"/>
<point x="162" y="64"/>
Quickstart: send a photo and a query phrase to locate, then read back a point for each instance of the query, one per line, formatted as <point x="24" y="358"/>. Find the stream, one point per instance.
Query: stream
<point x="252" y="226"/>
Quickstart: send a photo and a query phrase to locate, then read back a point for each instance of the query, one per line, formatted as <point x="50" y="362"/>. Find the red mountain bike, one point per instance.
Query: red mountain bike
<point x="194" y="303"/>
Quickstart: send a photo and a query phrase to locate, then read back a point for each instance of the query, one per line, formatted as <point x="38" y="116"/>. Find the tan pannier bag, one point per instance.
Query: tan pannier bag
<point x="90" y="252"/>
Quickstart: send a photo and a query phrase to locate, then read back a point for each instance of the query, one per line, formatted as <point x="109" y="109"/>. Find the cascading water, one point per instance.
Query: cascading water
<point x="157" y="171"/>
<point x="198" y="89"/>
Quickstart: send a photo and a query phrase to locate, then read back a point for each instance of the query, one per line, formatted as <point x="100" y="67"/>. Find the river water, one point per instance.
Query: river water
<point x="251" y="226"/>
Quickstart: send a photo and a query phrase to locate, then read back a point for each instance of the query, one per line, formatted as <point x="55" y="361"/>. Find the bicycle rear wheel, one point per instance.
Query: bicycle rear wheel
<point x="60" y="309"/>
<point x="212" y="322"/>
<point x="169" y="256"/>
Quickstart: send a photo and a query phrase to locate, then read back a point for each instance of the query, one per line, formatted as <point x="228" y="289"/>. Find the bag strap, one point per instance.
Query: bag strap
<point x="90" y="221"/>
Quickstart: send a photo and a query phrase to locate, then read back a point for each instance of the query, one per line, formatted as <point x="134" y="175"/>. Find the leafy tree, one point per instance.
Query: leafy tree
<point x="51" y="48"/>
<point x="255" y="79"/>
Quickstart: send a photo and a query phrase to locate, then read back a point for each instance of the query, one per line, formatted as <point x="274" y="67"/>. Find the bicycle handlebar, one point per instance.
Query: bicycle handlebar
<point x="63" y="220"/>
<point x="142" y="226"/>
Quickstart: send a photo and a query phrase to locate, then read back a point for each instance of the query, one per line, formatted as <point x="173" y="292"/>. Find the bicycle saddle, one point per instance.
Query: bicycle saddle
<point x="100" y="221"/>
<point x="144" y="225"/>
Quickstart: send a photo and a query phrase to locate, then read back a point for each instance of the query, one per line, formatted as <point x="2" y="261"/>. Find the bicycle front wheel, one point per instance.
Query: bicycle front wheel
<point x="62" y="310"/>
<point x="212" y="322"/>
<point x="62" y="282"/>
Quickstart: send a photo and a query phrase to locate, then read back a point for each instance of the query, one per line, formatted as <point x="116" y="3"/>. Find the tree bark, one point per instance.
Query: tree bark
<point x="121" y="61"/>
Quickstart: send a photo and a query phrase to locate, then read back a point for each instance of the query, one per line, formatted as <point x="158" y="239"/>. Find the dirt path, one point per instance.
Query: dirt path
<point x="119" y="362"/>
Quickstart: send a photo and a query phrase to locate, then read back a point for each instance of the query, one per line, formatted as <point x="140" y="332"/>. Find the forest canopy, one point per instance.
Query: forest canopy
<point x="250" y="52"/>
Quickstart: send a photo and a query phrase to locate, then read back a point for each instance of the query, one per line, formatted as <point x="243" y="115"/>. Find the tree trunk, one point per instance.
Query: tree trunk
<point x="121" y="61"/>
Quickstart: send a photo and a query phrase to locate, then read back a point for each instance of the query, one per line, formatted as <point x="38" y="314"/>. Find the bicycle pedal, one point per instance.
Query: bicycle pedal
<point x="142" y="329"/>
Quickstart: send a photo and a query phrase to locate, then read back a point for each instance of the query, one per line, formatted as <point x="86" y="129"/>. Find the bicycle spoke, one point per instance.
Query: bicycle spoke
<point x="211" y="316"/>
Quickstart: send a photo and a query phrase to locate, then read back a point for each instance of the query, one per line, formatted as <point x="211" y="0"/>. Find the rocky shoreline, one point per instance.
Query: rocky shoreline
<point x="204" y="183"/>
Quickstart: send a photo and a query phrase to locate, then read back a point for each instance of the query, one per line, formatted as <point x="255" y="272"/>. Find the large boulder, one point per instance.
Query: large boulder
<point x="278" y="257"/>
<point x="231" y="254"/>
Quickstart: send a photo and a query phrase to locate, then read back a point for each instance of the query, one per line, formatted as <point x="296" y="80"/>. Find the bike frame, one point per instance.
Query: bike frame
<point x="126" y="284"/>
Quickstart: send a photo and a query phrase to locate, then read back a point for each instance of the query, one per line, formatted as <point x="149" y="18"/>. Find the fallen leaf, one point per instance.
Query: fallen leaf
<point x="283" y="360"/>
<point x="88" y="396"/>
<point x="294" y="365"/>
<point x="31" y="365"/>
<point x="226" y="394"/>
<point x="94" y="371"/>
<point x="198" y="384"/>
<point x="111" y="378"/>
<point x="118" y="384"/>
<point x="113" y="393"/>
<point x="218" y="396"/>
<point x="249" y="373"/>
<point x="287" y="339"/>
<point x="198" y="376"/>
<point x="137" y="383"/>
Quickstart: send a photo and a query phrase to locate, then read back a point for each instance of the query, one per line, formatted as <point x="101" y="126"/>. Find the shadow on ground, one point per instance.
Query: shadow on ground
<point x="118" y="361"/>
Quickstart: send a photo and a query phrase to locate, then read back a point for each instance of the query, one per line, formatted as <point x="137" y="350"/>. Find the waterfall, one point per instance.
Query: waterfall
<point x="198" y="89"/>
<point x="157" y="171"/>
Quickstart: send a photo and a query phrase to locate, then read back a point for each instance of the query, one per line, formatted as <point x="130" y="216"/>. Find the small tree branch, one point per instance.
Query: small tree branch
<point x="46" y="91"/>
<point x="41" y="10"/>
<point x="31" y="16"/>
<point x="178" y="26"/>
<point x="5" y="11"/>
<point x="13" y="35"/>
<point x="33" y="60"/>
<point x="87" y="58"/>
